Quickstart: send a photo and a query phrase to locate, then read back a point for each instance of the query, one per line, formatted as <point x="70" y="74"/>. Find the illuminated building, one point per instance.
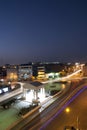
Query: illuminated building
<point x="12" y="72"/>
<point x="41" y="72"/>
<point x="24" y="72"/>
<point x="85" y="70"/>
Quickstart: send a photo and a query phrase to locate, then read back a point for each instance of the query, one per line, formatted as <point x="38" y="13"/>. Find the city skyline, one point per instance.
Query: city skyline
<point x="43" y="31"/>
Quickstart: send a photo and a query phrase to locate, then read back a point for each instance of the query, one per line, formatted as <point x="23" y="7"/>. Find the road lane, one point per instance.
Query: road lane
<point x="76" y="116"/>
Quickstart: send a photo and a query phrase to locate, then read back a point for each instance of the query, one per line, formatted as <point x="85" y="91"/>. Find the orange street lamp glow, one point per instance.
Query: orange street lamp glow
<point x="67" y="110"/>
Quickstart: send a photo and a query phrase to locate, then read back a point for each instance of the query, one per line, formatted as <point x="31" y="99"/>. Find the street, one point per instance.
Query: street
<point x="49" y="112"/>
<point x="77" y="116"/>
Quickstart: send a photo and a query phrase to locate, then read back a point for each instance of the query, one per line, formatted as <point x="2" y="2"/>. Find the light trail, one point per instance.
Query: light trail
<point x="52" y="118"/>
<point x="63" y="78"/>
<point x="73" y="74"/>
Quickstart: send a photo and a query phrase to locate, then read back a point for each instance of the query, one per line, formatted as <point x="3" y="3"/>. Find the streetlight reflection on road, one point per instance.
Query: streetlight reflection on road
<point x="63" y="86"/>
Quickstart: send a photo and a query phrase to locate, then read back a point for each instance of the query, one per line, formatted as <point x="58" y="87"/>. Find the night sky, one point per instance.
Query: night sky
<point x="43" y="30"/>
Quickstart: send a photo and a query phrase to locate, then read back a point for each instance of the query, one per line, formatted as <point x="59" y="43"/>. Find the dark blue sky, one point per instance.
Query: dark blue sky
<point x="43" y="30"/>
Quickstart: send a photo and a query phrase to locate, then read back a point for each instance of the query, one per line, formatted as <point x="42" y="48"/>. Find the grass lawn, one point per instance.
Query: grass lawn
<point x="8" y="117"/>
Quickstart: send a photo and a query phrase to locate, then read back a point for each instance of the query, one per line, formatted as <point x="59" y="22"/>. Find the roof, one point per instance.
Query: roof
<point x="33" y="85"/>
<point x="36" y="83"/>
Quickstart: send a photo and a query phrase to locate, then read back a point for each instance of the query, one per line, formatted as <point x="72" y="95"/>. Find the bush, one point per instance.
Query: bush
<point x="25" y="110"/>
<point x="53" y="92"/>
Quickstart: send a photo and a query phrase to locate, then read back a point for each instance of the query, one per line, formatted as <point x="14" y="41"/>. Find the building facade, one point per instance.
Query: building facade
<point x="41" y="72"/>
<point x="12" y="72"/>
<point x="24" y="72"/>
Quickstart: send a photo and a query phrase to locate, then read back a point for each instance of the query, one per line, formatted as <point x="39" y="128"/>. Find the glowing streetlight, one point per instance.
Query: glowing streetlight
<point x="67" y="110"/>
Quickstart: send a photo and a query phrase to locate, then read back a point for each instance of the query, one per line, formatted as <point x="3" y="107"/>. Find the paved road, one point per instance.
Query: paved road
<point x="76" y="116"/>
<point x="48" y="113"/>
<point x="10" y="95"/>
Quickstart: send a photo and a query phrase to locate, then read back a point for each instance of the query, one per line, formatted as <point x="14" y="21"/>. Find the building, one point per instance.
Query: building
<point x="41" y="72"/>
<point x="47" y="70"/>
<point x="24" y="72"/>
<point x="3" y="72"/>
<point x="12" y="72"/>
<point x="85" y="70"/>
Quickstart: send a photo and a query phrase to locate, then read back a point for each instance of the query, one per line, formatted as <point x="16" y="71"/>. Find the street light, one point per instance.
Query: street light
<point x="67" y="110"/>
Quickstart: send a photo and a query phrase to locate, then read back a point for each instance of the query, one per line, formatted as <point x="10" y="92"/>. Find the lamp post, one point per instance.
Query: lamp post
<point x="77" y="120"/>
<point x="67" y="110"/>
